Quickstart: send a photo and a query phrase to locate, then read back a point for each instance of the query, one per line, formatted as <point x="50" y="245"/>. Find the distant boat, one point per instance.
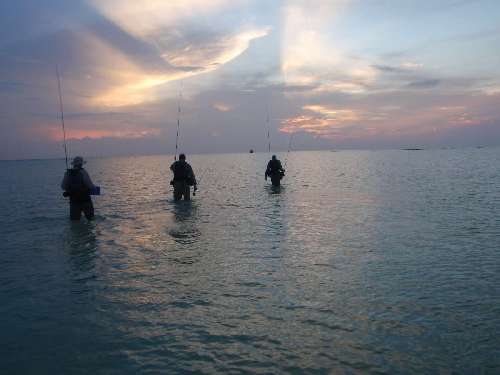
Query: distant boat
<point x="412" y="149"/>
<point x="251" y="151"/>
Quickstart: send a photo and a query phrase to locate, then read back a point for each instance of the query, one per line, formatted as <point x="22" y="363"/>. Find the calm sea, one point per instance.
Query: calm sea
<point x="363" y="262"/>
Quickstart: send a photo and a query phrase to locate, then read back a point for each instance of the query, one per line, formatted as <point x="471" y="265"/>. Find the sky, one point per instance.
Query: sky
<point x="318" y="74"/>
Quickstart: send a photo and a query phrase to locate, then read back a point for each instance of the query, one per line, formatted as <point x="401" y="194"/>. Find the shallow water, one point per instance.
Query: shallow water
<point x="363" y="262"/>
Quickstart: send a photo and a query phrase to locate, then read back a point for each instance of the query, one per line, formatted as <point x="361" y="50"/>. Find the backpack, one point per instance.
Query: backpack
<point x="181" y="171"/>
<point x="76" y="188"/>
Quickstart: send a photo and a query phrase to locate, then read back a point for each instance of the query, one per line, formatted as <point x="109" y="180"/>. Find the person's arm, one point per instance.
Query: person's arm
<point x="64" y="182"/>
<point x="172" y="166"/>
<point x="192" y="175"/>
<point x="86" y="180"/>
<point x="268" y="169"/>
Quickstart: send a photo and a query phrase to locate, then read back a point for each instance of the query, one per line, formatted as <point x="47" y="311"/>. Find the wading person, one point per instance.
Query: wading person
<point x="184" y="178"/>
<point x="275" y="171"/>
<point x="77" y="185"/>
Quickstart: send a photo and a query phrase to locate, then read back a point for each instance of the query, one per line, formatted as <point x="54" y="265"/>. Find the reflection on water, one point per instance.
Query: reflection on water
<point x="183" y="210"/>
<point x="361" y="262"/>
<point x="80" y="242"/>
<point x="274" y="189"/>
<point x="185" y="230"/>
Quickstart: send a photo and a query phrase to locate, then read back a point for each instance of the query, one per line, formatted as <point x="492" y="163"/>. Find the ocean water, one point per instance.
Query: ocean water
<point x="363" y="262"/>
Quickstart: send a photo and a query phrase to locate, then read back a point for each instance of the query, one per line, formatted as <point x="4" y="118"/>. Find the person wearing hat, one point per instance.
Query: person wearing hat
<point x="275" y="171"/>
<point x="77" y="185"/>
<point x="184" y="178"/>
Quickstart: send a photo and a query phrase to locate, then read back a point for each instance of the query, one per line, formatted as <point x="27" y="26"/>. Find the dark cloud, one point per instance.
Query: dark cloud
<point x="424" y="84"/>
<point x="11" y="86"/>
<point x="390" y="69"/>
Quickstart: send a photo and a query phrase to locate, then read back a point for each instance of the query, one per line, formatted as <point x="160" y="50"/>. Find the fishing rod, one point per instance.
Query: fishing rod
<point x="289" y="148"/>
<point x="62" y="114"/>
<point x="178" y="132"/>
<point x="268" y="129"/>
<point x="178" y="124"/>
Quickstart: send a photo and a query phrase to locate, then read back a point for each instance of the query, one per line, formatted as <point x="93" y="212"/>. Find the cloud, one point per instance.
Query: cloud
<point x="424" y="84"/>
<point x="150" y="19"/>
<point x="411" y="65"/>
<point x="187" y="62"/>
<point x="54" y="133"/>
<point x="406" y="67"/>
<point x="312" y="55"/>
<point x="324" y="120"/>
<point x="340" y="115"/>
<point x="222" y="107"/>
<point x="11" y="86"/>
<point x="325" y="68"/>
<point x="170" y="29"/>
<point x="213" y="50"/>
<point x="389" y="69"/>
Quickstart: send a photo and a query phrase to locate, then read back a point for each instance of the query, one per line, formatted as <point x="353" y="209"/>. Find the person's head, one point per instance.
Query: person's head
<point x="77" y="162"/>
<point x="182" y="157"/>
<point x="274" y="157"/>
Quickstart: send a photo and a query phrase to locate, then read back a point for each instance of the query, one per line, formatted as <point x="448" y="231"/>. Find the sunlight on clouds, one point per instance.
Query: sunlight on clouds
<point x="341" y="115"/>
<point x="222" y="107"/>
<point x="309" y="124"/>
<point x="154" y="22"/>
<point x="136" y="85"/>
<point x="209" y="56"/>
<point x="492" y="90"/>
<point x="54" y="133"/>
<point x="137" y="92"/>
<point x="115" y="77"/>
<point x="458" y="115"/>
<point x="146" y="18"/>
<point x="323" y="122"/>
<point x="411" y="65"/>
<point x="312" y="56"/>
<point x="451" y="108"/>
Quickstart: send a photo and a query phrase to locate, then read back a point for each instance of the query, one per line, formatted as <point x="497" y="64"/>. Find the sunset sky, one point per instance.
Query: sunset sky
<point x="336" y="74"/>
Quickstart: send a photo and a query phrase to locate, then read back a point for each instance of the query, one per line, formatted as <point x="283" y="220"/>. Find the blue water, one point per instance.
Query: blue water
<point x="363" y="262"/>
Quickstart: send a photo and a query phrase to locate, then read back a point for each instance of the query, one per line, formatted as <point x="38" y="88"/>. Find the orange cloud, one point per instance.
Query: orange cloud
<point x="325" y="121"/>
<point x="54" y="133"/>
<point x="340" y="115"/>
<point x="222" y="107"/>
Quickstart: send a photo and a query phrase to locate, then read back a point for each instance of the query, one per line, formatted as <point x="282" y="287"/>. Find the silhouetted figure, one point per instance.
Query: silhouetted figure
<point x="275" y="171"/>
<point x="77" y="185"/>
<point x="184" y="178"/>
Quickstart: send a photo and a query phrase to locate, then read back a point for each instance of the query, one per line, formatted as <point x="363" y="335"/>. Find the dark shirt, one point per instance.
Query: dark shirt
<point x="274" y="168"/>
<point x="183" y="172"/>
<point x="77" y="184"/>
